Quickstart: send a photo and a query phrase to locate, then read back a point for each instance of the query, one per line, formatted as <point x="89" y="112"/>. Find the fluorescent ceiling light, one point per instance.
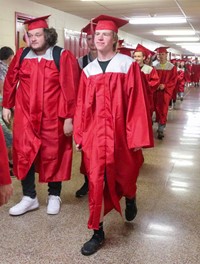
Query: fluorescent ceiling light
<point x="182" y="39"/>
<point x="184" y="32"/>
<point x="157" y="20"/>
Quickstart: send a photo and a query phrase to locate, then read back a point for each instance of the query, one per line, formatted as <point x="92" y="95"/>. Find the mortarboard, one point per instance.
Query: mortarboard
<point x="89" y="30"/>
<point x="151" y="53"/>
<point x="109" y="23"/>
<point x="125" y="50"/>
<point x="142" y="49"/>
<point x="162" y="50"/>
<point x="145" y="51"/>
<point x="38" y="22"/>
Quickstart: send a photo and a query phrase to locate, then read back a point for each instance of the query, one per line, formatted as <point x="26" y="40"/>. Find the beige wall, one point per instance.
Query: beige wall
<point x="59" y="20"/>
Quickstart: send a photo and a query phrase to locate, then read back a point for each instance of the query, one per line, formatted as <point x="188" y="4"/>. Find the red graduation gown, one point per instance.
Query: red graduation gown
<point x="188" y="68"/>
<point x="111" y="120"/>
<point x="180" y="81"/>
<point x="153" y="83"/>
<point x="195" y="73"/>
<point x="43" y="97"/>
<point x="4" y="168"/>
<point x="168" y="77"/>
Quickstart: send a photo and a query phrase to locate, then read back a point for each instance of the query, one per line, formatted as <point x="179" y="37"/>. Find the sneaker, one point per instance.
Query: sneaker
<point x="93" y="244"/>
<point x="131" y="209"/>
<point x="25" y="205"/>
<point x="83" y="190"/>
<point x="53" y="204"/>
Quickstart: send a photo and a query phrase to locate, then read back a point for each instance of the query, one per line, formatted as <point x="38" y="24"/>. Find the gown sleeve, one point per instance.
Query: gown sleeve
<point x="69" y="78"/>
<point x="138" y="124"/>
<point x="79" y="113"/>
<point x="11" y="81"/>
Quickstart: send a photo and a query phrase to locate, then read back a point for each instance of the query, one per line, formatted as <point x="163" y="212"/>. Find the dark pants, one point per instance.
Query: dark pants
<point x="28" y="185"/>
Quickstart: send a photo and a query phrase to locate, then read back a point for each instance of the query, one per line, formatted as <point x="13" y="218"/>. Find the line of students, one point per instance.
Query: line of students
<point x="109" y="116"/>
<point x="159" y="83"/>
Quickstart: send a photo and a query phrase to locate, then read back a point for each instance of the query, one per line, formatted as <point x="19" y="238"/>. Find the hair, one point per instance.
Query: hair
<point x="115" y="36"/>
<point x="5" y="53"/>
<point x="51" y="36"/>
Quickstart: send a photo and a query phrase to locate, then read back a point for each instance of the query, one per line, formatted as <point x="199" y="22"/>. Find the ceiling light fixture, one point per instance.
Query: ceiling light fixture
<point x="181" y="32"/>
<point x="182" y="39"/>
<point x="157" y="20"/>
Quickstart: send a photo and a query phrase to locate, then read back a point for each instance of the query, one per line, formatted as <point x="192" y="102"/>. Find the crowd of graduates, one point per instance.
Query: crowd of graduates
<point x="110" y="117"/>
<point x="165" y="79"/>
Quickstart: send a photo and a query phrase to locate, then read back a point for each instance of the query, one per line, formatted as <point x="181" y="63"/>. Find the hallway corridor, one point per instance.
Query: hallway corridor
<point x="165" y="231"/>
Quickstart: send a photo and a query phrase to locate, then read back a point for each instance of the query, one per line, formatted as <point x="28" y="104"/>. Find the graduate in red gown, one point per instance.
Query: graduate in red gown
<point x="168" y="77"/>
<point x="44" y="99"/>
<point x="181" y="80"/>
<point x="140" y="54"/>
<point x="5" y="180"/>
<point x="188" y="68"/>
<point x="111" y="125"/>
<point x="195" y="73"/>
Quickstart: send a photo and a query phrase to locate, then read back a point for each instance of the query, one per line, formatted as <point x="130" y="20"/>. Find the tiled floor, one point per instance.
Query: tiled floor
<point x="165" y="231"/>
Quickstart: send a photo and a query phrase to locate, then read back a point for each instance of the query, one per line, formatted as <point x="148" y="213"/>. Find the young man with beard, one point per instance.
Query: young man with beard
<point x="43" y="99"/>
<point x="111" y="125"/>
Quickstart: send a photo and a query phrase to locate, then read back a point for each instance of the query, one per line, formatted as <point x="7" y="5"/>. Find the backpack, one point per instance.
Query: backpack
<point x="85" y="61"/>
<point x="56" y="55"/>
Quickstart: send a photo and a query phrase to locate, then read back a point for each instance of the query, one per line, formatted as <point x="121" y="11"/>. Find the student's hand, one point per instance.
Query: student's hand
<point x="136" y="149"/>
<point x="161" y="86"/>
<point x="68" y="127"/>
<point x="6" y="113"/>
<point x="78" y="148"/>
<point x="5" y="193"/>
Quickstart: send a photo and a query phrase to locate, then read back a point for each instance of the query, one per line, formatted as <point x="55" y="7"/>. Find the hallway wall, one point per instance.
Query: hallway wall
<point x="59" y="20"/>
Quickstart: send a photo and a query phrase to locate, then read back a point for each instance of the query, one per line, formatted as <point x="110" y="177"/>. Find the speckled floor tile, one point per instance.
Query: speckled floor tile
<point x="165" y="231"/>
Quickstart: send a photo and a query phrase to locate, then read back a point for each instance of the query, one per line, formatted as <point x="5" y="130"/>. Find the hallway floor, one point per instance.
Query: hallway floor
<point x="165" y="231"/>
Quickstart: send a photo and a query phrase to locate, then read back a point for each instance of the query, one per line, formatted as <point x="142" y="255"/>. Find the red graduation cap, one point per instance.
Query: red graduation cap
<point x="162" y="49"/>
<point x="89" y="30"/>
<point x="38" y="22"/>
<point x="145" y="51"/>
<point x="109" y="23"/>
<point x="151" y="53"/>
<point x="125" y="50"/>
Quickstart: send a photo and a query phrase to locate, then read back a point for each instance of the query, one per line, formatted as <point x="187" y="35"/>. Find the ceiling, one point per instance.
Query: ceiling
<point x="189" y="9"/>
